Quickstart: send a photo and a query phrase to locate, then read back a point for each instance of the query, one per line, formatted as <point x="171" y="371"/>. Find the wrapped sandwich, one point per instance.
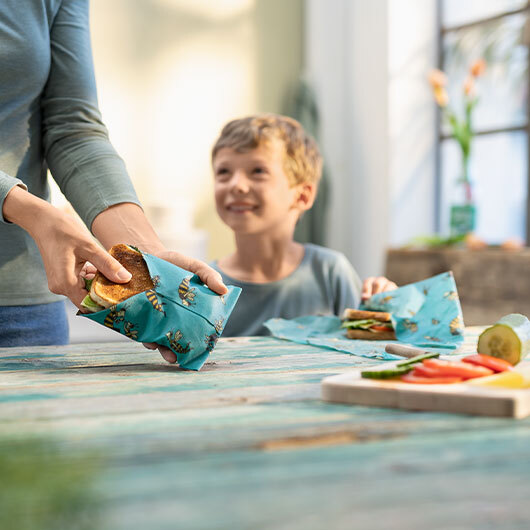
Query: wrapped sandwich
<point x="161" y="304"/>
<point x="103" y="293"/>
<point x="368" y="325"/>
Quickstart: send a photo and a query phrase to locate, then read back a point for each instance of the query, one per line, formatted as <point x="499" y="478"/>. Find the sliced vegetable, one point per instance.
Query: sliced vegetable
<point x="360" y="324"/>
<point x="508" y="339"/>
<point x="418" y="359"/>
<point x="382" y="328"/>
<point x="90" y="305"/>
<point x="386" y="373"/>
<point x="493" y="363"/>
<point x="457" y="368"/>
<point x="425" y="371"/>
<point x="411" y="378"/>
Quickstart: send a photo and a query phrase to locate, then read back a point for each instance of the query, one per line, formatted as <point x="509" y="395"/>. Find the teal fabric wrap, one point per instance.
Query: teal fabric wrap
<point x="426" y="314"/>
<point x="180" y="313"/>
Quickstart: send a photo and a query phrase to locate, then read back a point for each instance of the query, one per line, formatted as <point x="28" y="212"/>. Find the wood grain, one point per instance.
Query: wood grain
<point x="248" y="443"/>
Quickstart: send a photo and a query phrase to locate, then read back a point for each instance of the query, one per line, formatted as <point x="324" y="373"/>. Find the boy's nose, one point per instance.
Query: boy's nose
<point x="240" y="182"/>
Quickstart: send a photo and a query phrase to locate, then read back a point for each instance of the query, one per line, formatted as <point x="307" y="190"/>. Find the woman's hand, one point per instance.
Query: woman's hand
<point x="374" y="285"/>
<point x="127" y="223"/>
<point x="65" y="245"/>
<point x="208" y="275"/>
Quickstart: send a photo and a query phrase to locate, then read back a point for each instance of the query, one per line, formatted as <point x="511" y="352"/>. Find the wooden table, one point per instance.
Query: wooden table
<point x="247" y="442"/>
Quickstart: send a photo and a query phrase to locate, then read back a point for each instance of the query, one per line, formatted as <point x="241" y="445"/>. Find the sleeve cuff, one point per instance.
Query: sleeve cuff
<point x="7" y="183"/>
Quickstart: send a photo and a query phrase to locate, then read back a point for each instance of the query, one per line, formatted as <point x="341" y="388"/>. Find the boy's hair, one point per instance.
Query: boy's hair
<point x="302" y="163"/>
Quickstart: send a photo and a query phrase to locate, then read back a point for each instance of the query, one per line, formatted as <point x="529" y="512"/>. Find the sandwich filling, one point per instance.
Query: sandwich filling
<point x="375" y="326"/>
<point x="368" y="324"/>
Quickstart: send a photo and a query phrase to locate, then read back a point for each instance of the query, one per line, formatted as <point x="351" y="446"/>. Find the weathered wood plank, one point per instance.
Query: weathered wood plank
<point x="247" y="442"/>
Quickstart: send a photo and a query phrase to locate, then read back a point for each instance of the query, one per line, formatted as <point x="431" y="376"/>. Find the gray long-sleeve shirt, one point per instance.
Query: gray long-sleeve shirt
<point x="325" y="283"/>
<point x="49" y="118"/>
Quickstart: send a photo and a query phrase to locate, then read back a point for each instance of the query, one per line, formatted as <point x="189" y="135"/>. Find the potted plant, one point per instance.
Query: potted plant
<point x="463" y="216"/>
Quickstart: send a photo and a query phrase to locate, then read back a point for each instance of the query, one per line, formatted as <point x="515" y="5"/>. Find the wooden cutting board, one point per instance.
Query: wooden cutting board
<point x="461" y="398"/>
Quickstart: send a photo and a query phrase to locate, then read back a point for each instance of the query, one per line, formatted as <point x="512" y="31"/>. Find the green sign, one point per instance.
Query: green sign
<point x="463" y="218"/>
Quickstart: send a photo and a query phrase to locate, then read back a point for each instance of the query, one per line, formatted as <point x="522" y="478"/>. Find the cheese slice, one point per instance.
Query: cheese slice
<point x="519" y="377"/>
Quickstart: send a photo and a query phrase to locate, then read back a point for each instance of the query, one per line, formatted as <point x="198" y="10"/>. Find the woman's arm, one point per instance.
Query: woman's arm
<point x="127" y="223"/>
<point x="63" y="243"/>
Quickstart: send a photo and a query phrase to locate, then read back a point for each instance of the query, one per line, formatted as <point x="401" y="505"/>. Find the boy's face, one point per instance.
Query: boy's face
<point x="252" y="190"/>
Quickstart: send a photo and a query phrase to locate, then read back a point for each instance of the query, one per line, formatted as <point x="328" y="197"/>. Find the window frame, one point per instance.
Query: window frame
<point x="441" y="137"/>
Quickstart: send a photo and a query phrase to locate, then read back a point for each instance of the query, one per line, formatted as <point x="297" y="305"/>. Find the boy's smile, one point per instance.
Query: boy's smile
<point x="252" y="190"/>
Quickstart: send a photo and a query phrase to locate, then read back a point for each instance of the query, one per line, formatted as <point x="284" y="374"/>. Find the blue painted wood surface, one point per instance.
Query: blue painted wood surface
<point x="247" y="442"/>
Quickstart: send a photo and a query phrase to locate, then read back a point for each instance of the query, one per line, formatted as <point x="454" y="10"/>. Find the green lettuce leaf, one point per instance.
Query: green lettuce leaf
<point x="89" y="304"/>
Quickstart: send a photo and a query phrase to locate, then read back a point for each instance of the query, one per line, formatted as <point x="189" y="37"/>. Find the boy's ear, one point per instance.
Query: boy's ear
<point x="305" y="196"/>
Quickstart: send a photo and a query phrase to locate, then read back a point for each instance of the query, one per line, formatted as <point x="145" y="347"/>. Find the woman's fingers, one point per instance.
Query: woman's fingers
<point x="110" y="268"/>
<point x="88" y="271"/>
<point x="166" y="353"/>
<point x="208" y="275"/>
<point x="374" y="285"/>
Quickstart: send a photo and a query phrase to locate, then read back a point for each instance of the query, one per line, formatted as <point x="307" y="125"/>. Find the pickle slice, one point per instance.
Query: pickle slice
<point x="508" y="339"/>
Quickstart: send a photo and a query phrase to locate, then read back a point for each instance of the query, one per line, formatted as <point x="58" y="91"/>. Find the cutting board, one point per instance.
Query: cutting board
<point x="461" y="398"/>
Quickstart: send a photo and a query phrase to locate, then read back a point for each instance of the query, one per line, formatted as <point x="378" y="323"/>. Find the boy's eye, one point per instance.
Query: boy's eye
<point x="259" y="170"/>
<point x="221" y="173"/>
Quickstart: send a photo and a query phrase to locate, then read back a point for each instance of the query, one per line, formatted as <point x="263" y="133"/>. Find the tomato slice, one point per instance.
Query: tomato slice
<point x="457" y="368"/>
<point x="424" y="371"/>
<point x="381" y="328"/>
<point x="493" y="363"/>
<point x="411" y="378"/>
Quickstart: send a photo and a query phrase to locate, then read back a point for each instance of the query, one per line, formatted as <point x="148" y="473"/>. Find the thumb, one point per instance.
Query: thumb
<point x="112" y="269"/>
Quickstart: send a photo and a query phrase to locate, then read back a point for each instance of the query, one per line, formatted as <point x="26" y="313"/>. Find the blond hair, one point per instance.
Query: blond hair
<point x="302" y="164"/>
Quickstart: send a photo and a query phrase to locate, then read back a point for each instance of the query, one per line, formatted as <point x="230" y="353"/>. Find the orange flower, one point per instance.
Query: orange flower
<point x="441" y="96"/>
<point x="469" y="87"/>
<point x="437" y="79"/>
<point x="477" y="68"/>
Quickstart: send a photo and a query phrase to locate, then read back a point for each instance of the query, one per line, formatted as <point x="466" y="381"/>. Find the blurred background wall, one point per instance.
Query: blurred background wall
<point x="170" y="73"/>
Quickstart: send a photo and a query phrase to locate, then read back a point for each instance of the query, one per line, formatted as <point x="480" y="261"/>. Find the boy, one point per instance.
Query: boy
<point x="266" y="172"/>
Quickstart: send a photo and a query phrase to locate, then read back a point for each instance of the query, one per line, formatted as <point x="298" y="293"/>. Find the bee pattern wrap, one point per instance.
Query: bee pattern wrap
<point x="179" y="312"/>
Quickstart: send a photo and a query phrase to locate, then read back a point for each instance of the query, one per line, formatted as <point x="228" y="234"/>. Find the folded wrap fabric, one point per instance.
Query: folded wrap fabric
<point x="180" y="313"/>
<point x="426" y="314"/>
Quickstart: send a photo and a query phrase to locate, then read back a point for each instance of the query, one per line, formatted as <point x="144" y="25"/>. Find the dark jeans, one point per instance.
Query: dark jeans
<point x="33" y="325"/>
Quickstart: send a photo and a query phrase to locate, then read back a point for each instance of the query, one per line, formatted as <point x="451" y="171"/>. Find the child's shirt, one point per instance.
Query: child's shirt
<point x="325" y="283"/>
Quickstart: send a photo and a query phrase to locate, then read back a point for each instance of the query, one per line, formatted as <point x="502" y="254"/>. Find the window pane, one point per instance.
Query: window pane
<point x="499" y="172"/>
<point x="456" y="12"/>
<point x="502" y="90"/>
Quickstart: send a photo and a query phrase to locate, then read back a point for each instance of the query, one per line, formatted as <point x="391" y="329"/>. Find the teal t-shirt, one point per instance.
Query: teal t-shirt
<point x="49" y="118"/>
<point x="325" y="283"/>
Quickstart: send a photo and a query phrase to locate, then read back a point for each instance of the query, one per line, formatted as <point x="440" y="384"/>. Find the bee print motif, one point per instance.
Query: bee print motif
<point x="174" y="342"/>
<point x="451" y="295"/>
<point x="432" y="339"/>
<point x="456" y="326"/>
<point x="410" y="325"/>
<point x="219" y="326"/>
<point x="156" y="281"/>
<point x="114" y="317"/>
<point x="435" y="321"/>
<point x="211" y="341"/>
<point x="129" y="331"/>
<point x="152" y="296"/>
<point x="186" y="294"/>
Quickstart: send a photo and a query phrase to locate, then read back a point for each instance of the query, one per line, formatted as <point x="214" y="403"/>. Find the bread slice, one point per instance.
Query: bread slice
<point x="107" y="293"/>
<point x="357" y="314"/>
<point x="370" y="335"/>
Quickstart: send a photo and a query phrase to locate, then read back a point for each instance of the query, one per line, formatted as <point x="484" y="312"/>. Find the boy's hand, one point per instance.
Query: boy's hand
<point x="374" y="285"/>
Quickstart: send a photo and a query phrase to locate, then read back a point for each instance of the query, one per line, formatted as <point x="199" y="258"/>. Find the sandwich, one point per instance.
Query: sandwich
<point x="104" y="294"/>
<point x="368" y="325"/>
